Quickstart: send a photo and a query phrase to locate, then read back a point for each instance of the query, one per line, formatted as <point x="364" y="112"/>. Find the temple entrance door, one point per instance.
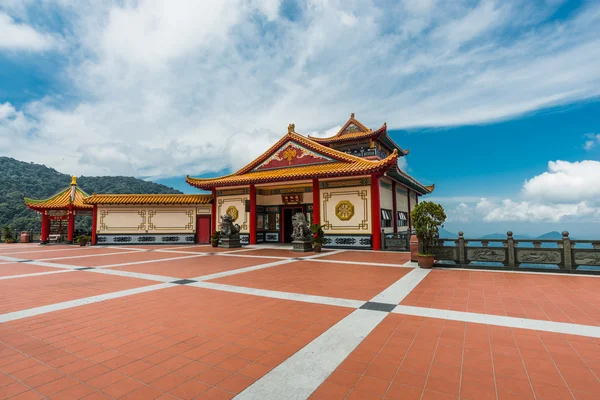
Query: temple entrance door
<point x="203" y="229"/>
<point x="287" y="228"/>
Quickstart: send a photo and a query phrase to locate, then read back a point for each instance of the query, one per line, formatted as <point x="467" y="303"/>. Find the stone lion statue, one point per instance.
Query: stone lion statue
<point x="301" y="231"/>
<point x="228" y="228"/>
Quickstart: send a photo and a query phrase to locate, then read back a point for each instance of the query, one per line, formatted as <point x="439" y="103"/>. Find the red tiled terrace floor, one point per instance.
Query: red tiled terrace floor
<point x="409" y="358"/>
<point x="359" y="282"/>
<point x="559" y="298"/>
<point x="35" y="291"/>
<point x="147" y="345"/>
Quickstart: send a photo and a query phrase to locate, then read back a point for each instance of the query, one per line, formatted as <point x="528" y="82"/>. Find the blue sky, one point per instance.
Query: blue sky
<point x="498" y="101"/>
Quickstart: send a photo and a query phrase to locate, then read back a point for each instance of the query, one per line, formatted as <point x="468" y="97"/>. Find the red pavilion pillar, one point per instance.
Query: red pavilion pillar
<point x="252" y="214"/>
<point x="316" y="202"/>
<point x="45" y="228"/>
<point x="213" y="220"/>
<point x="94" y="223"/>
<point x="394" y="207"/>
<point x="71" y="226"/>
<point x="375" y="212"/>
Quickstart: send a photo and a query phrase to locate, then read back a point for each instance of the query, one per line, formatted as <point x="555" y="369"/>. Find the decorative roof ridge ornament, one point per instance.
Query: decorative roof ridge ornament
<point x="73" y="180"/>
<point x="291" y="128"/>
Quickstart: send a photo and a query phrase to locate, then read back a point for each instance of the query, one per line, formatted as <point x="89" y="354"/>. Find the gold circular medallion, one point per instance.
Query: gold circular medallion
<point x="344" y="210"/>
<point x="233" y="211"/>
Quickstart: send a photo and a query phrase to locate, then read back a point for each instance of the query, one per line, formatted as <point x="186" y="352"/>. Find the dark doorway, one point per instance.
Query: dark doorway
<point x="287" y="227"/>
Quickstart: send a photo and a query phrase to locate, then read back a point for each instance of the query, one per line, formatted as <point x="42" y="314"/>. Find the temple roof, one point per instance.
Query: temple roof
<point x="297" y="157"/>
<point x="71" y="197"/>
<point x="410" y="182"/>
<point x="149" y="199"/>
<point x="354" y="130"/>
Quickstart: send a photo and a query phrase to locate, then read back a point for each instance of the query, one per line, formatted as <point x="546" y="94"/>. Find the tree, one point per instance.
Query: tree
<point x="427" y="217"/>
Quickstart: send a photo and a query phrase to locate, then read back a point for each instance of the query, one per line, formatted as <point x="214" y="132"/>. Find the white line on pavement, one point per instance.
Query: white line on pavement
<point x="299" y="376"/>
<point x="34" y="274"/>
<point x="499" y="320"/>
<point x="402" y="287"/>
<point x="80" y="302"/>
<point x="305" y="298"/>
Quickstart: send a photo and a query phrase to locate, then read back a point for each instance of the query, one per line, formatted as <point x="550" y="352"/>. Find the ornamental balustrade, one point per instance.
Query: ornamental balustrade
<point x="568" y="255"/>
<point x="395" y="241"/>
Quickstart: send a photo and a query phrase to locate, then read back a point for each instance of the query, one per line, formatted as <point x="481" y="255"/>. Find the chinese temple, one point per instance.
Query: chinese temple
<point x="349" y="183"/>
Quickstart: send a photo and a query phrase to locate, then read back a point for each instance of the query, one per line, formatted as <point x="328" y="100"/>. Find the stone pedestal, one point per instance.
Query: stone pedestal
<point x="231" y="242"/>
<point x="302" y="245"/>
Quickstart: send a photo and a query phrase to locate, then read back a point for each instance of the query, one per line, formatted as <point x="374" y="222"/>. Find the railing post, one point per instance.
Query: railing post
<point x="382" y="239"/>
<point x="461" y="248"/>
<point x="510" y="246"/>
<point x="567" y="259"/>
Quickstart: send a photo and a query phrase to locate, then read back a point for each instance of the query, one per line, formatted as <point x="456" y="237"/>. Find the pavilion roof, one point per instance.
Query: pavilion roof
<point x="329" y="163"/>
<point x="71" y="197"/>
<point x="354" y="130"/>
<point x="148" y="199"/>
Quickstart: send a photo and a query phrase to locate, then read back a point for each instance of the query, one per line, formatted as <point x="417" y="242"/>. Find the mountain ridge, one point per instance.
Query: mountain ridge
<point x="20" y="179"/>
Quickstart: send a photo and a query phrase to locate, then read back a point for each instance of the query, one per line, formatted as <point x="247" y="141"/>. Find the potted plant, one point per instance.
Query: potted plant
<point x="7" y="235"/>
<point x="318" y="237"/>
<point x="83" y="239"/>
<point x="214" y="239"/>
<point x="427" y="217"/>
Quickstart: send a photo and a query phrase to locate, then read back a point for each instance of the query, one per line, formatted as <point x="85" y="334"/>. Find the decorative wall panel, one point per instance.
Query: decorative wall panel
<point x="358" y="222"/>
<point x="130" y="239"/>
<point x="239" y="202"/>
<point x="348" y="241"/>
<point x="147" y="219"/>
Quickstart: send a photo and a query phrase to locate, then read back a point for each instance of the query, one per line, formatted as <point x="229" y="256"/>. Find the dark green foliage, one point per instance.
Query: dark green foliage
<point x="20" y="179"/>
<point x="427" y="218"/>
<point x="318" y="234"/>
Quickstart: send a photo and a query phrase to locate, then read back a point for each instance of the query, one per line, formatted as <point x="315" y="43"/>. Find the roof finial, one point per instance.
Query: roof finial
<point x="352" y="115"/>
<point x="73" y="180"/>
<point x="291" y="128"/>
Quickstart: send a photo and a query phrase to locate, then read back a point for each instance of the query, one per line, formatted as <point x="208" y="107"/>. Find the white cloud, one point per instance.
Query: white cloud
<point x="566" y="182"/>
<point x="179" y="87"/>
<point x="567" y="192"/>
<point x="19" y="36"/>
<point x="593" y="141"/>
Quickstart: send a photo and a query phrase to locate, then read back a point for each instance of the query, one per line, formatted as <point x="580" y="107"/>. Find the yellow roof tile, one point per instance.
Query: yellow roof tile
<point x="149" y="199"/>
<point x="72" y="196"/>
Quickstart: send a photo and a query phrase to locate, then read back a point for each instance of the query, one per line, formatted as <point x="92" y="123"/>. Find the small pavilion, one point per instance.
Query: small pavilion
<point x="63" y="206"/>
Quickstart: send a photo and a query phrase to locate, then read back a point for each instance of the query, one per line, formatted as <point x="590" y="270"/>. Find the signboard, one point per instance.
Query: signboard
<point x="291" y="198"/>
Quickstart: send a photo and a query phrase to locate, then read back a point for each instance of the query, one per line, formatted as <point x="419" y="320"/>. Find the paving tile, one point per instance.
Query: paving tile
<point x="559" y="298"/>
<point x="347" y="281"/>
<point x="42" y="290"/>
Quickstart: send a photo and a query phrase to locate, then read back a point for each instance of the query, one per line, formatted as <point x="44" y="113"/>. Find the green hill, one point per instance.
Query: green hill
<point x="20" y="179"/>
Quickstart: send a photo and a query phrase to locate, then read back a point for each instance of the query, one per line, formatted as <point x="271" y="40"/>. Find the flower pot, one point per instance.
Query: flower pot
<point x="317" y="248"/>
<point x="214" y="243"/>
<point x="425" y="261"/>
<point x="82" y="242"/>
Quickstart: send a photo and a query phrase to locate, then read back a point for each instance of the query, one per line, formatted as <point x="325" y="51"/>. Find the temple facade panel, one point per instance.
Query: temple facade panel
<point x="235" y="203"/>
<point x="204" y="210"/>
<point x="345" y="210"/>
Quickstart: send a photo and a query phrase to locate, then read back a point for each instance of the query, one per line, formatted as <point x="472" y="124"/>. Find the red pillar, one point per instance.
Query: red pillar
<point x="316" y="202"/>
<point x="94" y="223"/>
<point x="375" y="212"/>
<point x="44" y="236"/>
<point x="252" y="214"/>
<point x="394" y="207"/>
<point x="409" y="219"/>
<point x="213" y="219"/>
<point x="71" y="226"/>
